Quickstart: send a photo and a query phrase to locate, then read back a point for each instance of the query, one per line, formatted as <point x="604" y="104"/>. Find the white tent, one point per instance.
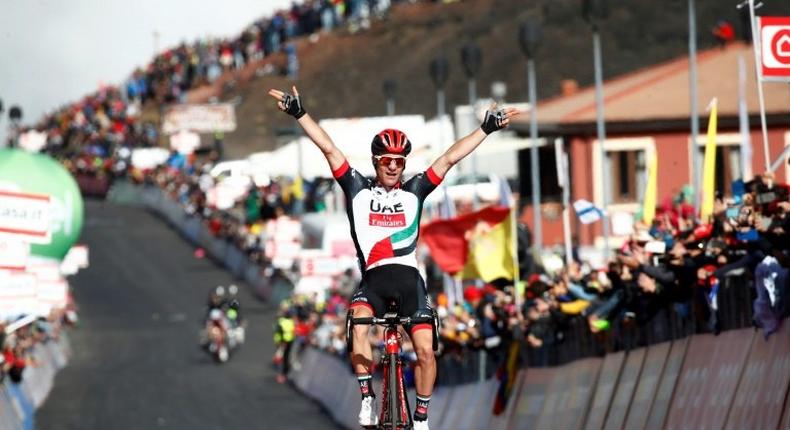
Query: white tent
<point x="285" y="161"/>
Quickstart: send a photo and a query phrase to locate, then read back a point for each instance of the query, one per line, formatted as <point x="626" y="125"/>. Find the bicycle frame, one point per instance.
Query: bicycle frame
<point x="394" y="387"/>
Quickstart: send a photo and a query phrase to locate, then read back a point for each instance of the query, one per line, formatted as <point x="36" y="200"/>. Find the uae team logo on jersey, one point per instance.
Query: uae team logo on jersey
<point x="382" y="215"/>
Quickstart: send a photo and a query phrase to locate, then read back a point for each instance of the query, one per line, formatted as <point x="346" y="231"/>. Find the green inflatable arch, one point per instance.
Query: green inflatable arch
<point x="38" y="173"/>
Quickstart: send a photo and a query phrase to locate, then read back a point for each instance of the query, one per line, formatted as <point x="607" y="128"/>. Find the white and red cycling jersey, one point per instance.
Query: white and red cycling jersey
<point x="385" y="224"/>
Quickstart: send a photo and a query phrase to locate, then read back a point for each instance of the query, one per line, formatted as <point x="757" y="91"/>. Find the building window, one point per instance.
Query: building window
<point x="729" y="163"/>
<point x="628" y="175"/>
<point x="728" y="167"/>
<point x="550" y="190"/>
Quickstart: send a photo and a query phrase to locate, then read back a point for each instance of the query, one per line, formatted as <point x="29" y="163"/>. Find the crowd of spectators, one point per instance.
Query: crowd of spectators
<point x="103" y="123"/>
<point x="17" y="346"/>
<point x="175" y="71"/>
<point x="677" y="266"/>
<point x="672" y="278"/>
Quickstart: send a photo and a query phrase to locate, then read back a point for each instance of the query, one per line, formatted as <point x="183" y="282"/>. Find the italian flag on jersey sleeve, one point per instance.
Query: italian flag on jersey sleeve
<point x="401" y="243"/>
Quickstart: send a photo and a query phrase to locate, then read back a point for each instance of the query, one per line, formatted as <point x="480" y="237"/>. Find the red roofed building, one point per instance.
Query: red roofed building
<point x="644" y="110"/>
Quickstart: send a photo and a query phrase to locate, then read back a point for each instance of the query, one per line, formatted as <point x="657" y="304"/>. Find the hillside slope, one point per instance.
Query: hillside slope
<point x="341" y="74"/>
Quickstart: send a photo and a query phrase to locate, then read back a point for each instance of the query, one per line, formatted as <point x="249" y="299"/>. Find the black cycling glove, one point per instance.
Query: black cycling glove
<point x="293" y="106"/>
<point x="493" y="121"/>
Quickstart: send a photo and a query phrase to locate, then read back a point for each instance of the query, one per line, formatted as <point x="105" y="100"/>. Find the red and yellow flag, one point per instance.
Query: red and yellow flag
<point x="476" y="245"/>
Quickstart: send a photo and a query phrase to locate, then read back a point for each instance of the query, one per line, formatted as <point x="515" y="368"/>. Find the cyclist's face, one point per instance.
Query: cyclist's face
<point x="389" y="168"/>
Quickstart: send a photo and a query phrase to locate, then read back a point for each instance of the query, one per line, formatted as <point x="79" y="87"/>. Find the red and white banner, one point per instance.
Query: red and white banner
<point x="51" y="295"/>
<point x="284" y="241"/>
<point x="775" y="47"/>
<point x="18" y="294"/>
<point x="45" y="271"/>
<point x="13" y="254"/>
<point x="25" y="216"/>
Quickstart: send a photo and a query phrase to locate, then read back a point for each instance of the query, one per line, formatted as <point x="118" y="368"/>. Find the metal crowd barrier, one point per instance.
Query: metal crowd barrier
<point x="672" y="384"/>
<point x="19" y="401"/>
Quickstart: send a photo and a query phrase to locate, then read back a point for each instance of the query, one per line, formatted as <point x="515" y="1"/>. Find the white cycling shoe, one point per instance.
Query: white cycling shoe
<point x="421" y="425"/>
<point x="368" y="416"/>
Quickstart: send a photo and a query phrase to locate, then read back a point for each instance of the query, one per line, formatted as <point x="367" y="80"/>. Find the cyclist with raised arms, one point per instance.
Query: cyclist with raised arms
<point x="384" y="214"/>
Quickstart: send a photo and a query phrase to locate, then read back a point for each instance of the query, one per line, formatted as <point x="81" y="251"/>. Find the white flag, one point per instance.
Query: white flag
<point x="586" y="211"/>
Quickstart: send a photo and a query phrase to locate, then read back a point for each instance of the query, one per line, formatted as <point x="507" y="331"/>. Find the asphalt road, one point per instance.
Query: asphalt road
<point x="136" y="362"/>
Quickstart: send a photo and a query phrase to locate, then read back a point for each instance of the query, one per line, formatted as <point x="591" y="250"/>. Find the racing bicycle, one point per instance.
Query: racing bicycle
<point x="395" y="411"/>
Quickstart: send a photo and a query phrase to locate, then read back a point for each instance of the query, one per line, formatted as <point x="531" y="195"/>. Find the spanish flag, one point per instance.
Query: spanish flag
<point x="475" y="245"/>
<point x="490" y="251"/>
<point x="709" y="166"/>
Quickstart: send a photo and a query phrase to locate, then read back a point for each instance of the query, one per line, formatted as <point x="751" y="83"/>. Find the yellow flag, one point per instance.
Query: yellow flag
<point x="491" y="252"/>
<point x="651" y="190"/>
<point x="709" y="167"/>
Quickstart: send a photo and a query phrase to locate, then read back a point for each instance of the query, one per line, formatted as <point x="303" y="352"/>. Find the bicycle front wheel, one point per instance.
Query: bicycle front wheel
<point x="393" y="391"/>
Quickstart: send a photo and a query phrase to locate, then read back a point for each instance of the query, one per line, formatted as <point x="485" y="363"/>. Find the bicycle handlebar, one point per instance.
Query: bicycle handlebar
<point x="392" y="321"/>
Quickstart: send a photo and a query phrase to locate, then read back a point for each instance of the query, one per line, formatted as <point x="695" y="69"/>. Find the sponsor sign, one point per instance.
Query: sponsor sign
<point x="17" y="294"/>
<point x="200" y="118"/>
<point x="285" y="242"/>
<point x="775" y="47"/>
<point x="51" y="295"/>
<point x="13" y="254"/>
<point x="25" y="216"/>
<point x="384" y="220"/>
<point x="317" y="262"/>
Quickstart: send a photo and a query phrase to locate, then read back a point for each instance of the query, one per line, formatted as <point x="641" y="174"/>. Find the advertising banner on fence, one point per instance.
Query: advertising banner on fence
<point x="17" y="294"/>
<point x="25" y="216"/>
<point x="51" y="295"/>
<point x="199" y="118"/>
<point x="13" y="254"/>
<point x="284" y="242"/>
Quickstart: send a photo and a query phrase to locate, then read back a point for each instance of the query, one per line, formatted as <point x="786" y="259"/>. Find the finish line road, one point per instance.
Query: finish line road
<point x="136" y="363"/>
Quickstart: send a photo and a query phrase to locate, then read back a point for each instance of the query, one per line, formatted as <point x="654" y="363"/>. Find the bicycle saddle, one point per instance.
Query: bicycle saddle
<point x="393" y="309"/>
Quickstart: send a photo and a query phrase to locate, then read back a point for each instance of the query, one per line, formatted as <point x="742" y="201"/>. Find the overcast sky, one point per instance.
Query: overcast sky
<point x="56" y="51"/>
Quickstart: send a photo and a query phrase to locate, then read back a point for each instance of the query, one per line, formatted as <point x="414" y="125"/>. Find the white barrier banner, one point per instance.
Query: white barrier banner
<point x="199" y="118"/>
<point x="17" y="294"/>
<point x="45" y="271"/>
<point x="75" y="259"/>
<point x="25" y="216"/>
<point x="13" y="254"/>
<point x="51" y="295"/>
<point x="285" y="243"/>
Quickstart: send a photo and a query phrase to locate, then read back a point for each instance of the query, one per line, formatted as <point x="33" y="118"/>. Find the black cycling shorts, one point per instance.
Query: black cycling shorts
<point x="393" y="282"/>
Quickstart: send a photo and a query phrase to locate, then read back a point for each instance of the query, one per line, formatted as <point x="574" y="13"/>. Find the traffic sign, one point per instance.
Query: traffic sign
<point x="775" y="48"/>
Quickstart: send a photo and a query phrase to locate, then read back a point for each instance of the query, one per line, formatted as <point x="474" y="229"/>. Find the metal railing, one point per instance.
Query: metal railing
<point x="459" y="365"/>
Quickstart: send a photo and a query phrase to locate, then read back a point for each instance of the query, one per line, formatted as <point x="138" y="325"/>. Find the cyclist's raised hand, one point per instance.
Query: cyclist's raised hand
<point x="496" y="120"/>
<point x="289" y="103"/>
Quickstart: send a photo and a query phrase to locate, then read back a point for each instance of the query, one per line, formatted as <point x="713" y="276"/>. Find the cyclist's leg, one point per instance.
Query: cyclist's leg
<point x="364" y="303"/>
<point x="425" y="370"/>
<point x="416" y="303"/>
